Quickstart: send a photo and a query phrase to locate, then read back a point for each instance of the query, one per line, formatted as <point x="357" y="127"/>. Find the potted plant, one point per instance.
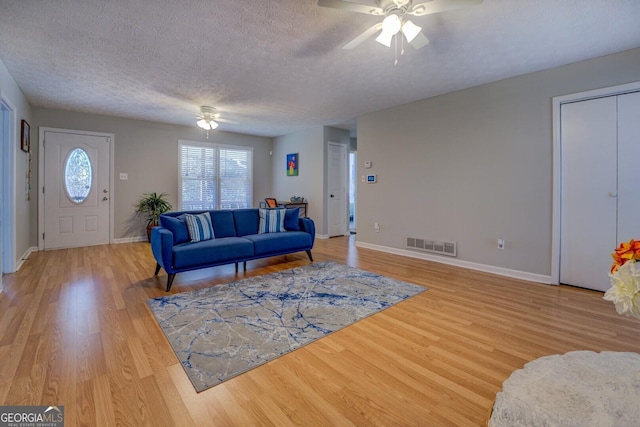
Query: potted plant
<point x="151" y="205"/>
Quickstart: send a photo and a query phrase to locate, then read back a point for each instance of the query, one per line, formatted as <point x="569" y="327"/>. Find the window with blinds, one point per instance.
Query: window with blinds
<point x="215" y="176"/>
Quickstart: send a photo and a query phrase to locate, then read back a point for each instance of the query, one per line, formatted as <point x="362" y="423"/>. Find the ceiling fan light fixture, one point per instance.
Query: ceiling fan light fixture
<point x="207" y="124"/>
<point x="385" y="38"/>
<point x="410" y="30"/>
<point x="391" y="24"/>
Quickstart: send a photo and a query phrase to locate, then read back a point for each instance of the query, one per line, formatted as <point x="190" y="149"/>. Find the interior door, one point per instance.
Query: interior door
<point x="628" y="167"/>
<point x="337" y="189"/>
<point x="77" y="192"/>
<point x="589" y="192"/>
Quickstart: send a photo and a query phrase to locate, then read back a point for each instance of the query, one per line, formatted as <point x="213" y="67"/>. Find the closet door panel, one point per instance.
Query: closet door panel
<point x="589" y="190"/>
<point x="629" y="167"/>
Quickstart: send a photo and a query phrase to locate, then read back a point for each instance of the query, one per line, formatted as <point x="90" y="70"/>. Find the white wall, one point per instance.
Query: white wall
<point x="148" y="153"/>
<point x="474" y="165"/>
<point x="25" y="213"/>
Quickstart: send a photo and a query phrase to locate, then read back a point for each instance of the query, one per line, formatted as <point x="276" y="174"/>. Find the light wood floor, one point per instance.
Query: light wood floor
<point x="75" y="331"/>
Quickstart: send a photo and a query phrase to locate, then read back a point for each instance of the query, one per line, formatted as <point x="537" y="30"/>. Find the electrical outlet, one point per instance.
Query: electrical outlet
<point x="376" y="226"/>
<point x="500" y="243"/>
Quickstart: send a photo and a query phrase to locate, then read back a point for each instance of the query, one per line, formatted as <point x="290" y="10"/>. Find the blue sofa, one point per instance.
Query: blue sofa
<point x="236" y="238"/>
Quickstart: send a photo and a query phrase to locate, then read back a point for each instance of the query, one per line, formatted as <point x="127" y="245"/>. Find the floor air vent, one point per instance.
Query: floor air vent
<point x="442" y="248"/>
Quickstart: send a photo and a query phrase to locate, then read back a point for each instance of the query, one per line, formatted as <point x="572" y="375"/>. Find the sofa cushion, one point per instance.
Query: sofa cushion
<point x="177" y="226"/>
<point x="246" y="221"/>
<point x="223" y="224"/>
<point x="291" y="217"/>
<point x="199" y="226"/>
<point x="271" y="221"/>
<point x="276" y="243"/>
<point x="215" y="251"/>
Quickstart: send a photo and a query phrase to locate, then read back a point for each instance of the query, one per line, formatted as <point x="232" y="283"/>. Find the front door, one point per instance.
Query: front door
<point x="77" y="193"/>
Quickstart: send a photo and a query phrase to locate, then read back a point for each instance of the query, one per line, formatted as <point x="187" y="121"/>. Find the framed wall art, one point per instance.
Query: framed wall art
<point x="25" y="137"/>
<point x="292" y="164"/>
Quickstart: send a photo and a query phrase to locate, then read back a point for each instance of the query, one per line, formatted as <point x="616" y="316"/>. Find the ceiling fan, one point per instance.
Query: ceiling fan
<point x="207" y="118"/>
<point x="395" y="21"/>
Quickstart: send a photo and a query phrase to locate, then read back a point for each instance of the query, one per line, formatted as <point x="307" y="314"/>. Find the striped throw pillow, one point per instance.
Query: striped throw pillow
<point x="199" y="226"/>
<point x="271" y="220"/>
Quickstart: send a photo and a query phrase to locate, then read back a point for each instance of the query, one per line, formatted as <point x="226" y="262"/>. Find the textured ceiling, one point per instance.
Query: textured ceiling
<point x="276" y="67"/>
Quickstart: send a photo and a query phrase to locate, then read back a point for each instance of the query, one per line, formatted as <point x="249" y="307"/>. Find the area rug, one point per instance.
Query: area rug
<point x="225" y="330"/>
<point x="579" y="388"/>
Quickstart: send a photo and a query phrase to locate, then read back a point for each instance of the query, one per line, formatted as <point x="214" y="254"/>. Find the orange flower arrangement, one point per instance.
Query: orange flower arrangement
<point x="625" y="279"/>
<point x="626" y="251"/>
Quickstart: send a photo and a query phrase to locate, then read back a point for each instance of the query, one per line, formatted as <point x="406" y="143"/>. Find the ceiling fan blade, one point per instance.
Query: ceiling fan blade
<point x="353" y="7"/>
<point x="436" y="6"/>
<point x="420" y="41"/>
<point x="362" y="37"/>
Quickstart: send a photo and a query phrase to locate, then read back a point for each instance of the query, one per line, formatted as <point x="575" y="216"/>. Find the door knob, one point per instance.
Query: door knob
<point x="105" y="191"/>
<point x="105" y="198"/>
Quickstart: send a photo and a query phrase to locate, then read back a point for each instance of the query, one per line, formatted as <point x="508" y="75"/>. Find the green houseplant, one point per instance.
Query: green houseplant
<point x="151" y="205"/>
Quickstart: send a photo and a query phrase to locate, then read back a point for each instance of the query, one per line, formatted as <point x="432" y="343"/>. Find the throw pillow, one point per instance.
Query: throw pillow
<point x="199" y="226"/>
<point x="291" y="219"/>
<point x="177" y="227"/>
<point x="271" y="220"/>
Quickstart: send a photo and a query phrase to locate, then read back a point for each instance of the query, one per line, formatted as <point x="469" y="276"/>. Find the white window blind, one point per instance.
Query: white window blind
<point x="215" y="176"/>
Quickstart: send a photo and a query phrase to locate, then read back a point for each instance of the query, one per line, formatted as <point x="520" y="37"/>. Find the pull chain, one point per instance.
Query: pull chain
<point x="395" y="49"/>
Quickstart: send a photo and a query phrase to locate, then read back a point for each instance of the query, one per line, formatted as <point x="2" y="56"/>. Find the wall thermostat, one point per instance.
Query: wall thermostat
<point x="372" y="178"/>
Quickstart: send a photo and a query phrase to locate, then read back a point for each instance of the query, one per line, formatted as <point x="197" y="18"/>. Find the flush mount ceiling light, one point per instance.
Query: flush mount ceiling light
<point x="395" y="21"/>
<point x="206" y="121"/>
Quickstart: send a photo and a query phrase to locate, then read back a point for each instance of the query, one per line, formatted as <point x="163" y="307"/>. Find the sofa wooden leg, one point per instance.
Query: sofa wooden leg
<point x="308" y="251"/>
<point x="157" y="269"/>
<point x="244" y="266"/>
<point x="170" y="278"/>
<point x="236" y="267"/>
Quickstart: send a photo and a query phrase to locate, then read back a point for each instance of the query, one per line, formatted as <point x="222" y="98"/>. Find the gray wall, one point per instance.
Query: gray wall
<point x="474" y="165"/>
<point x="25" y="213"/>
<point x="148" y="152"/>
<point x="311" y="182"/>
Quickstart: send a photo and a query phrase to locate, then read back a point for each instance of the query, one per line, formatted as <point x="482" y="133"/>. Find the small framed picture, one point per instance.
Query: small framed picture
<point x="292" y="164"/>
<point x="25" y="137"/>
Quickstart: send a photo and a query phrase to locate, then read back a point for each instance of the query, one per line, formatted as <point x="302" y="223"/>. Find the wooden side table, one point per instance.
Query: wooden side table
<point x="302" y="205"/>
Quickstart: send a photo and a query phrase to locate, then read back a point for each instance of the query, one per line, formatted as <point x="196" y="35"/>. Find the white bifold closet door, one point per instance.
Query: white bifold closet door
<point x="600" y="185"/>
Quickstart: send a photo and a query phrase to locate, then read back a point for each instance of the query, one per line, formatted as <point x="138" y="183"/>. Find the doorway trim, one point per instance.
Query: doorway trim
<point x="557" y="102"/>
<point x="8" y="189"/>
<point x="345" y="187"/>
<point x="41" y="141"/>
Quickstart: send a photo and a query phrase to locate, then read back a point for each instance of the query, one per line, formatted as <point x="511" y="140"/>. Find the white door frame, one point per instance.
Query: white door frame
<point x="345" y="183"/>
<point x="557" y="162"/>
<point x="41" y="176"/>
<point x="8" y="189"/>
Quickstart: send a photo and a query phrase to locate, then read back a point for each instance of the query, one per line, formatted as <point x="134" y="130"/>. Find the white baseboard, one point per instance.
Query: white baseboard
<point x="25" y="256"/>
<point x="130" y="239"/>
<point x="322" y="236"/>
<point x="515" y="274"/>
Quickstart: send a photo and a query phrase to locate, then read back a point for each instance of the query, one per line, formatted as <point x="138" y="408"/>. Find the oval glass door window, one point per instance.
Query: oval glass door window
<point x="77" y="175"/>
